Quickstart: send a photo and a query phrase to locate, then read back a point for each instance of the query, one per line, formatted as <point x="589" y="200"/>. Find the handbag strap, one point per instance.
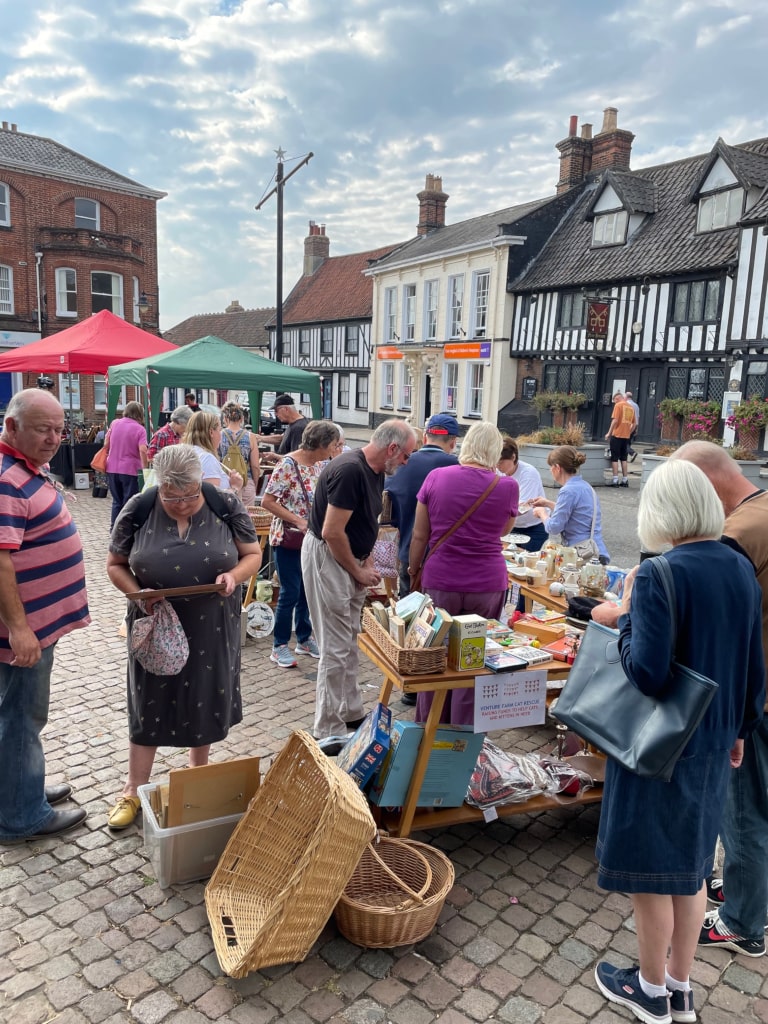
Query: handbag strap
<point x="664" y="572"/>
<point x="594" y="515"/>
<point x="301" y="484"/>
<point x="464" y="518"/>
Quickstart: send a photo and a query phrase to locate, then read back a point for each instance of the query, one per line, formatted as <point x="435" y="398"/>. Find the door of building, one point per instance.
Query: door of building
<point x="326" y="393"/>
<point x="648" y="396"/>
<point x="427" y="397"/>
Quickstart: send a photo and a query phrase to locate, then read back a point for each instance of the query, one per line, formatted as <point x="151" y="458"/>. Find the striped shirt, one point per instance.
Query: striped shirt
<point x="46" y="552"/>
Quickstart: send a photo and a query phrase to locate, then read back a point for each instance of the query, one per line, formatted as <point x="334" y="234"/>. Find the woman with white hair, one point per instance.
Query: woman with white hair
<point x="467" y="573"/>
<point x="656" y="838"/>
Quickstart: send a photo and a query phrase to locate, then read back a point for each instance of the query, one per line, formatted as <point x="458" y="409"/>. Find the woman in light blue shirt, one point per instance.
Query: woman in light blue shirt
<point x="572" y="513"/>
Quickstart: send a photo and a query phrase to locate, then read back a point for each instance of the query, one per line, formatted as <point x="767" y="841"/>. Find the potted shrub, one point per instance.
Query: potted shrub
<point x="748" y="419"/>
<point x="694" y="419"/>
<point x="535" y="447"/>
<point x="559" y="403"/>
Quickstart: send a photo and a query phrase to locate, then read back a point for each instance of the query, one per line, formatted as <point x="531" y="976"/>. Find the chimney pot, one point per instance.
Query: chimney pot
<point x="14" y="127"/>
<point x="610" y="120"/>
<point x="573" y="124"/>
<point x="586" y="131"/>
<point x="5" y="126"/>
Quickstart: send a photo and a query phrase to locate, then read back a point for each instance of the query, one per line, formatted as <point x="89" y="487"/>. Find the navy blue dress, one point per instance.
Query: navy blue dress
<point x="655" y="836"/>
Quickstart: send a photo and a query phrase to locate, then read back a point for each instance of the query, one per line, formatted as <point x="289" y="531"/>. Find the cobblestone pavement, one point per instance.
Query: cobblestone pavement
<point x="88" y="936"/>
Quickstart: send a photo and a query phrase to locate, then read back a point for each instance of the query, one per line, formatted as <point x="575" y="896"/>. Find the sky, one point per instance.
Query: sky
<point x="193" y="97"/>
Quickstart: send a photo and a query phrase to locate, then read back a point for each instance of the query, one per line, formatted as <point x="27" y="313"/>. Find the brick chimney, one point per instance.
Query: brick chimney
<point x="432" y="202"/>
<point x="612" y="147"/>
<point x="234" y="307"/>
<point x="575" y="155"/>
<point x="317" y="246"/>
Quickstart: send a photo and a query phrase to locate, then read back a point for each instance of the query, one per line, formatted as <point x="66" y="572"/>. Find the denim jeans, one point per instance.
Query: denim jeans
<point x="292" y="600"/>
<point x="744" y="833"/>
<point x="122" y="486"/>
<point x="24" y="695"/>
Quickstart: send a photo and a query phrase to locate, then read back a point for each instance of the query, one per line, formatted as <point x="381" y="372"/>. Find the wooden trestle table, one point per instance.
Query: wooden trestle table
<point x="403" y="821"/>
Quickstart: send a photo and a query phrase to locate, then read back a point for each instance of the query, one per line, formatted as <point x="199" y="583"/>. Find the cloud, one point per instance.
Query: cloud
<point x="193" y="97"/>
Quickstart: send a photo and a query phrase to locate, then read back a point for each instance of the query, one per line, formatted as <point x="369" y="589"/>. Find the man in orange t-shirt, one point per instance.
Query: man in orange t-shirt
<point x="623" y="422"/>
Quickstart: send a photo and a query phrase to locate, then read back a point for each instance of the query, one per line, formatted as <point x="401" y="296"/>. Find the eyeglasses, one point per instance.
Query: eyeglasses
<point x="179" y="501"/>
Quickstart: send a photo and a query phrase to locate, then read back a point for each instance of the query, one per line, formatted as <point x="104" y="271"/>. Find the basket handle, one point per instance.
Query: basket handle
<point x="417" y="896"/>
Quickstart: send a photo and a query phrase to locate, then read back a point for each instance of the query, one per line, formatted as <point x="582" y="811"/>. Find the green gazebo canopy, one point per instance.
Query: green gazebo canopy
<point x="211" y="363"/>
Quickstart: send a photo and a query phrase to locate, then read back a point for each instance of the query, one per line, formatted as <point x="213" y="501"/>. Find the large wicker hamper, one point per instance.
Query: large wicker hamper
<point x="288" y="861"/>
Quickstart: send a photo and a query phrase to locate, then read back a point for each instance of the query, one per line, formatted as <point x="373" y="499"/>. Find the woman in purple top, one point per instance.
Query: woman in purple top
<point x="126" y="445"/>
<point x="467" y="574"/>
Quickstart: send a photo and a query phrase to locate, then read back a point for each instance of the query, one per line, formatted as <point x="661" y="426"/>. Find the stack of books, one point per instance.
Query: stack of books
<point x="413" y="621"/>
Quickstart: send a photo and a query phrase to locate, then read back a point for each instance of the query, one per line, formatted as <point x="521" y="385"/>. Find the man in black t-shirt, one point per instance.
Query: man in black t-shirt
<point x="337" y="566"/>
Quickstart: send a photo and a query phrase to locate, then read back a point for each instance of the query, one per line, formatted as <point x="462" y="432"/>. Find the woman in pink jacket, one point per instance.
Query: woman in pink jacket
<point x="126" y="445"/>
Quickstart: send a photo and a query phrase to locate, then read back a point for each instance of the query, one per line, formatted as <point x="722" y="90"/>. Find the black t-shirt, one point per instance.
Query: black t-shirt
<point x="348" y="482"/>
<point x="292" y="436"/>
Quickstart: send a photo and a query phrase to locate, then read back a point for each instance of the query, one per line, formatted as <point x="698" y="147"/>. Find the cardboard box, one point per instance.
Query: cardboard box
<point x="186" y="853"/>
<point x="546" y="632"/>
<point x="466" y="643"/>
<point x="454" y="754"/>
<point x="82" y="481"/>
<point x="367" y="747"/>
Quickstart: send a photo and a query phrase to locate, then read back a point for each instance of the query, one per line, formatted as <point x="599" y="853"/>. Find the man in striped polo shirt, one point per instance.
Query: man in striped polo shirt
<point x="42" y="598"/>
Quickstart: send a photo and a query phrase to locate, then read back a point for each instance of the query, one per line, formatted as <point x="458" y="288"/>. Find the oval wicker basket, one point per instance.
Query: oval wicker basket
<point x="395" y="895"/>
<point x="260" y="518"/>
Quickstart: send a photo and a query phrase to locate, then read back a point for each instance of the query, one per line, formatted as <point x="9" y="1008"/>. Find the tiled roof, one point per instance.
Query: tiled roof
<point x="33" y="153"/>
<point x="665" y="244"/>
<point x="749" y="167"/>
<point x="242" y="327"/>
<point x="461" y="235"/>
<point x="338" y="290"/>
<point x="637" y="194"/>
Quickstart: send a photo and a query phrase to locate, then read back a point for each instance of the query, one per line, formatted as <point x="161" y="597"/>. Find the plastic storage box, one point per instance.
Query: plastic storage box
<point x="186" y="853"/>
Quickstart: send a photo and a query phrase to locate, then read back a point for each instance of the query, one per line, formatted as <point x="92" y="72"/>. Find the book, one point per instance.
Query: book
<point x="502" y="659"/>
<point x="397" y="630"/>
<point x="420" y="633"/>
<point x="444" y="622"/>
<point x="532" y="655"/>
<point x="380" y="614"/>
<point x="411" y="605"/>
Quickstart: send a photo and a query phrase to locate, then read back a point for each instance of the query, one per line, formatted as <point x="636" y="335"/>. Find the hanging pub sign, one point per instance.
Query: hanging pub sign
<point x="597" y="320"/>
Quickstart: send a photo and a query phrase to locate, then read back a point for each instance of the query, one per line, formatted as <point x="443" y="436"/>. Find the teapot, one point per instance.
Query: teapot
<point x="569" y="575"/>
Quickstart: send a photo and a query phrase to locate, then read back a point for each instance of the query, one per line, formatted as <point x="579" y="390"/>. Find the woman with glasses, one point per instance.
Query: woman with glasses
<point x="182" y="540"/>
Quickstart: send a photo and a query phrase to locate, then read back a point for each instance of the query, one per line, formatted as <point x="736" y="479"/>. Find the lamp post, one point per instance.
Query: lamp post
<point x="280" y="180"/>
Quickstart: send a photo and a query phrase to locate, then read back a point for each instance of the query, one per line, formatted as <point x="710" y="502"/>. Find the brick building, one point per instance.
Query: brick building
<point x="75" y="238"/>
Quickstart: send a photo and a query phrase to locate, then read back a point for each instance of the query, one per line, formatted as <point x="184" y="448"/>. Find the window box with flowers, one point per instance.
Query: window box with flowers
<point x="748" y="418"/>
<point x="690" y="419"/>
<point x="563" y="405"/>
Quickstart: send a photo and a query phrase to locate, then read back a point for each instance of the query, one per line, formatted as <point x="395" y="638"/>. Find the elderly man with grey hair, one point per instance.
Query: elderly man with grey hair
<point x="171" y="433"/>
<point x="337" y="566"/>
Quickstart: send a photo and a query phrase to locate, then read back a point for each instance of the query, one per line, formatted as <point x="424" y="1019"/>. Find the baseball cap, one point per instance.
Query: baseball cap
<point x="282" y="400"/>
<point x="442" y="423"/>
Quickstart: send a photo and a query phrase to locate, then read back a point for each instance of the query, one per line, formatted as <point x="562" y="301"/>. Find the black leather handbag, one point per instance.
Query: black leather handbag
<point x="646" y="735"/>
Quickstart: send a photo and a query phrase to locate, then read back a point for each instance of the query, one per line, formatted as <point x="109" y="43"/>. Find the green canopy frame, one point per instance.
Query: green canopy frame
<point x="210" y="363"/>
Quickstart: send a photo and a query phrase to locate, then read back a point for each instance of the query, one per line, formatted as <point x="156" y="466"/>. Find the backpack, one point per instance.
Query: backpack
<point x="233" y="459"/>
<point x="215" y="501"/>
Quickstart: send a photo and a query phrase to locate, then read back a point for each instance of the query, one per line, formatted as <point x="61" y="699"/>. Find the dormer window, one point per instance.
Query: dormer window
<point x="720" y="210"/>
<point x="87" y="214"/>
<point x="610" y="228"/>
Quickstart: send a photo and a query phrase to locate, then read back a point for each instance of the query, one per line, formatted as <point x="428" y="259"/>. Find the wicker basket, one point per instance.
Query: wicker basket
<point x="288" y="861"/>
<point x="395" y="896"/>
<point x="260" y="518"/>
<point x="408" y="661"/>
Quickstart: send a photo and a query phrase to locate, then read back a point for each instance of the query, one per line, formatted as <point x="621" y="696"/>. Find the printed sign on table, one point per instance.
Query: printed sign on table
<point x="508" y="700"/>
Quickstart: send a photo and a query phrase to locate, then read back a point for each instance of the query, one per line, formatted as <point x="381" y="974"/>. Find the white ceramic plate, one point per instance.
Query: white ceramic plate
<point x="516" y="538"/>
<point x="261" y="620"/>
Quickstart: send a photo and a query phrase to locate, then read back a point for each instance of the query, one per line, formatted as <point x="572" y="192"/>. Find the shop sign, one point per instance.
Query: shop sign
<point x="471" y="350"/>
<point x="388" y="352"/>
<point x="597" y="320"/>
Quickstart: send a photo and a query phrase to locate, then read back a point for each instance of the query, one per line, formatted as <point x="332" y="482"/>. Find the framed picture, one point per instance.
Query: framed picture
<point x="730" y="400"/>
